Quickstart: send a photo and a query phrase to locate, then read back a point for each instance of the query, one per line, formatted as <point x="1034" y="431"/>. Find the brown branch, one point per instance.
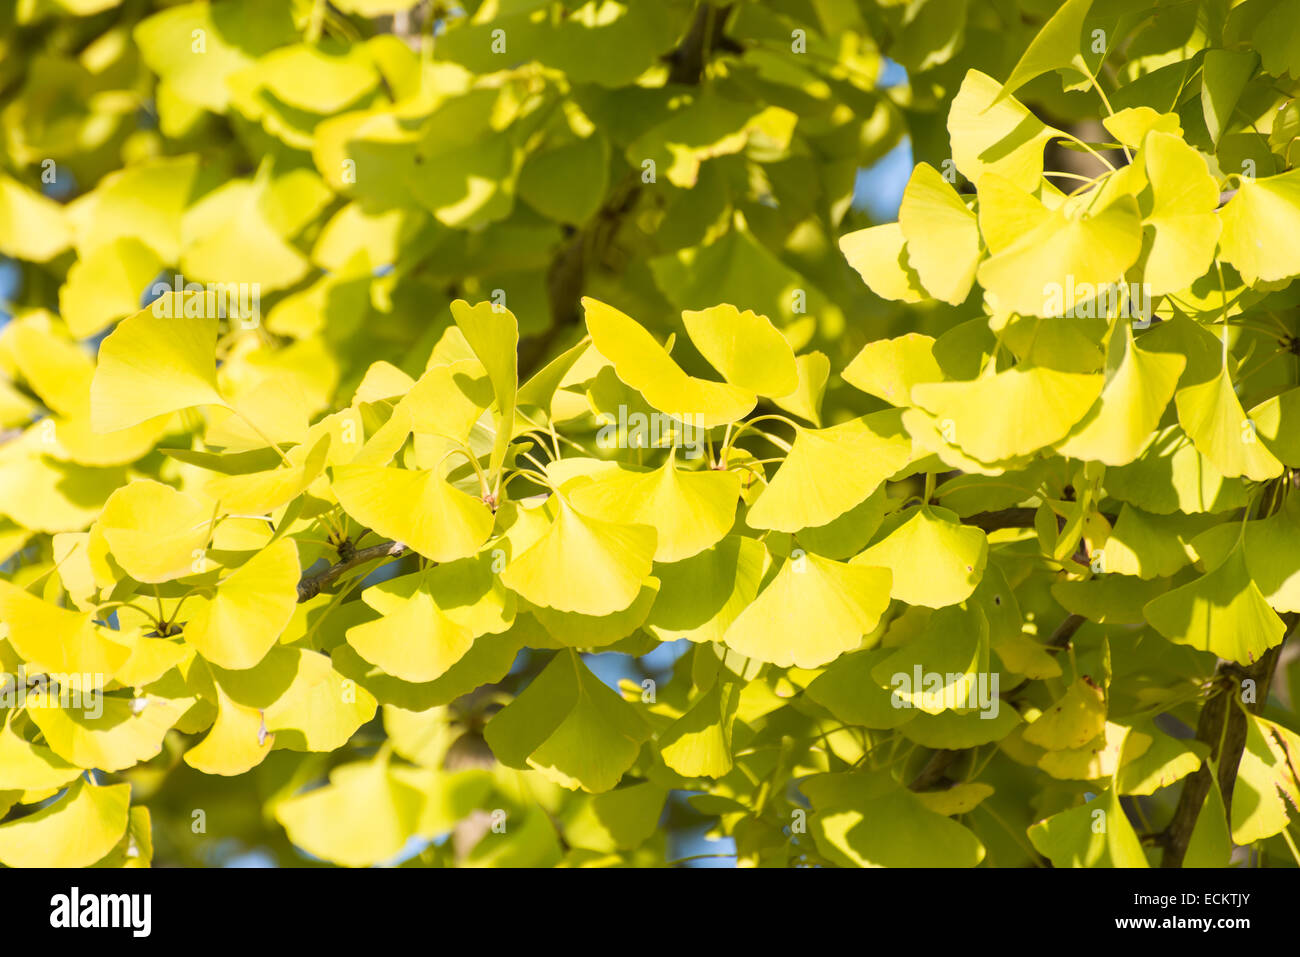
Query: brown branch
<point x="309" y="586"/>
<point x="934" y="772"/>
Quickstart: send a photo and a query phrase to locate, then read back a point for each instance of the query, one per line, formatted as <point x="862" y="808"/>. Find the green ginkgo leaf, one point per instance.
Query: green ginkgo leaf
<point x="879" y="254"/>
<point x="745" y="347"/>
<point x="690" y="511"/>
<point x="1266" y="780"/>
<point x="1223" y="612"/>
<point x="1095" y="834"/>
<point x="1214" y="420"/>
<point x="74" y="831"/>
<point x="239" y="624"/>
<point x="416" y="507"/>
<point x="569" y="726"/>
<point x="849" y="690"/>
<point x="573" y="630"/>
<point x="151" y="365"/>
<point x="1275" y="420"/>
<point x="943" y="239"/>
<point x="1211" y="842"/>
<point x="1183" y="223"/>
<point x="1131" y="405"/>
<point x="700" y="597"/>
<point x="1055" y="47"/>
<point x="583" y="564"/>
<point x="812" y="612"/>
<point x="866" y="819"/>
<point x="1172" y="475"/>
<point x="935" y="560"/>
<point x="698" y="744"/>
<point x="829" y="471"/>
<point x="953" y="647"/>
<point x="1262" y="208"/>
<point x="1005" y="414"/>
<point x="644" y="365"/>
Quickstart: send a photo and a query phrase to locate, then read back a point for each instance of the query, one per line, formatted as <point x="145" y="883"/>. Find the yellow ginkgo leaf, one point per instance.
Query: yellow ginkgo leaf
<point x="583" y="564"/>
<point x="155" y="532"/>
<point x="879" y="255"/>
<point x="75" y="831"/>
<point x="413" y="640"/>
<point x="745" y="347"/>
<point x="1073" y="720"/>
<point x="1005" y="414"/>
<point x="691" y="511"/>
<point x="25" y="766"/>
<point x="260" y="492"/>
<point x="829" y="471"/>
<point x="1183" y="222"/>
<point x="943" y="239"/>
<point x="643" y="364"/>
<point x="1131" y="405"/>
<point x="1211" y="415"/>
<point x="115" y="734"/>
<point x="935" y="560"/>
<point x="239" y="624"/>
<point x="56" y="640"/>
<point x="416" y="507"/>
<point x="237" y="741"/>
<point x="888" y="368"/>
<point x="995" y="133"/>
<point x="1261" y="210"/>
<point x="151" y="365"/>
<point x="812" y="612"/>
<point x="382" y="811"/>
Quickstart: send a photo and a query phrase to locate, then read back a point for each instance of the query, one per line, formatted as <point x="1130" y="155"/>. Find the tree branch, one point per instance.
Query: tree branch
<point x="309" y="586"/>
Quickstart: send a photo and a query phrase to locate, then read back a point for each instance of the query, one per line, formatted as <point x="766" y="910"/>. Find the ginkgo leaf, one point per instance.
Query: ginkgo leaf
<point x="690" y="511"/>
<point x="583" y="564"/>
<point x="829" y="471"/>
<point x="239" y="624"/>
<point x="993" y="132"/>
<point x="151" y="365"/>
<point x="570" y="629"/>
<point x="1131" y="405"/>
<point x="304" y="701"/>
<point x="745" y="347"/>
<point x="1004" y="414"/>
<point x="1172" y="475"/>
<point x="644" y="365"/>
<point x="74" y="831"/>
<point x="383" y="811"/>
<point x="418" y="508"/>
<point x="698" y="744"/>
<point x="1184" y="226"/>
<point x="1262" y="208"/>
<point x="943" y="239"/>
<point x="26" y="766"/>
<point x="1073" y="720"/>
<point x="265" y="491"/>
<point x="1094" y="834"/>
<point x="1067" y="259"/>
<point x="57" y="640"/>
<point x="155" y="532"/>
<point x="953" y="648"/>
<point x="1214" y="420"/>
<point x="569" y="726"/>
<point x="865" y="819"/>
<point x="888" y="368"/>
<point x="116" y="734"/>
<point x="1056" y="46"/>
<point x="935" y="560"/>
<point x="813" y="611"/>
<point x="879" y="254"/>
<point x="413" y="640"/>
<point x="1223" y="612"/>
<point x="493" y="333"/>
<point x="237" y="741"/>
<point x="701" y="596"/>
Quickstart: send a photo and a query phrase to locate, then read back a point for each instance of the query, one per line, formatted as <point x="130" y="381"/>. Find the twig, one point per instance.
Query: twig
<point x="310" y="585"/>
